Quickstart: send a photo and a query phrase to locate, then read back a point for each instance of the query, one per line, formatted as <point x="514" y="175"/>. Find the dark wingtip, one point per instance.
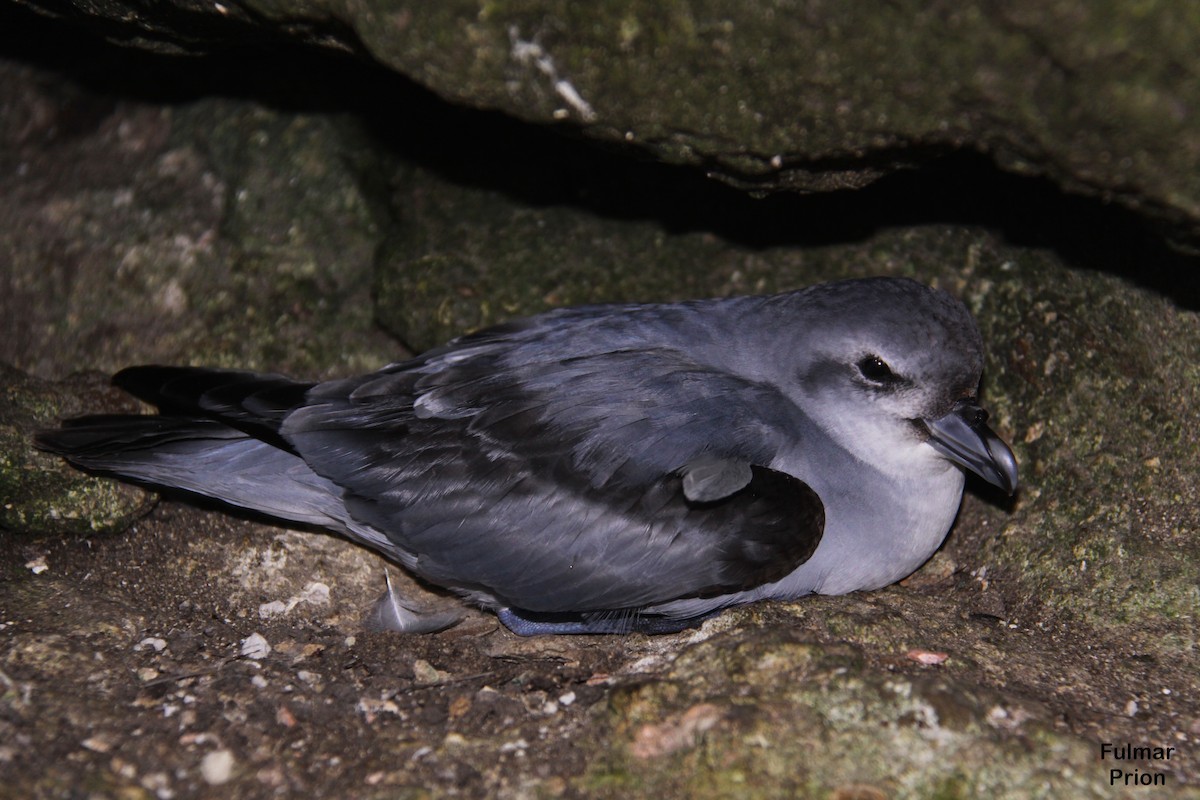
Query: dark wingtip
<point x="77" y="436"/>
<point x="50" y="440"/>
<point x="147" y="381"/>
<point x="74" y="433"/>
<point x="67" y="441"/>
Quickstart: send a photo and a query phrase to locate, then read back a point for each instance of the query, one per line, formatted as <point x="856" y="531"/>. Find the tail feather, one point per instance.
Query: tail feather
<point x="254" y="402"/>
<point x="202" y="456"/>
<point x="95" y="440"/>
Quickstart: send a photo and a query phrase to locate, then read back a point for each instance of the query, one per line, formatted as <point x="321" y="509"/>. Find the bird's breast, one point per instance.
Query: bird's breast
<point x="877" y="531"/>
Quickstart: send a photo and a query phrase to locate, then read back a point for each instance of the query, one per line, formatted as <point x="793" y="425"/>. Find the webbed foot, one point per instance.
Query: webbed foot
<point x="532" y="623"/>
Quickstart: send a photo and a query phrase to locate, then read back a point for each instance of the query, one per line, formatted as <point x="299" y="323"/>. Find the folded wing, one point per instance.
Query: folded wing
<point x="611" y="480"/>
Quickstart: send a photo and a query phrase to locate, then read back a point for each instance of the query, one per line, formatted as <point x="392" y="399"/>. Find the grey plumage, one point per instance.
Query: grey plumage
<point x="607" y="468"/>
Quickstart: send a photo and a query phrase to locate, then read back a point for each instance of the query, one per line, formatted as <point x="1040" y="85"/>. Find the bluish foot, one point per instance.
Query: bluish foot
<point x="532" y="623"/>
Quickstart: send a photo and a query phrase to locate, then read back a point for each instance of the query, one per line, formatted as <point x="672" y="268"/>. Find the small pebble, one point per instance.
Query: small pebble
<point x="927" y="657"/>
<point x="99" y="743"/>
<point x="217" y="767"/>
<point x="255" y="646"/>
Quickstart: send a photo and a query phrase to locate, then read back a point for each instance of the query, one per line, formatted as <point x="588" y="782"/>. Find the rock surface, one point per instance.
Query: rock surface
<point x="1099" y="96"/>
<point x="236" y="221"/>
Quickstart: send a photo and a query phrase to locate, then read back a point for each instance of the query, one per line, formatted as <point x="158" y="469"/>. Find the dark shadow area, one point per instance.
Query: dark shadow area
<point x="550" y="165"/>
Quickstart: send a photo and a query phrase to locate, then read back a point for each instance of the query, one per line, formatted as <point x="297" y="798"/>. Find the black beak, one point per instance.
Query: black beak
<point x="964" y="437"/>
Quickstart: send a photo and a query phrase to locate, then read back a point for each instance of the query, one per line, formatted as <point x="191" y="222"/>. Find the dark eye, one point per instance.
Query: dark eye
<point x="876" y="370"/>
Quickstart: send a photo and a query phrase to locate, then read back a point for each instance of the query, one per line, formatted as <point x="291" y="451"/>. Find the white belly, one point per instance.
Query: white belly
<point x="877" y="540"/>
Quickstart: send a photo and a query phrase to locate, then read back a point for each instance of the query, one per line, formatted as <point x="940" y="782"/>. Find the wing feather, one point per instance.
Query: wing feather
<point x="555" y="484"/>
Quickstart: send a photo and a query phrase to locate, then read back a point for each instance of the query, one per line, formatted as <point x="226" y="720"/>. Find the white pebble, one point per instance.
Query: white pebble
<point x="272" y="609"/>
<point x="255" y="646"/>
<point x="217" y="767"/>
<point x="316" y="593"/>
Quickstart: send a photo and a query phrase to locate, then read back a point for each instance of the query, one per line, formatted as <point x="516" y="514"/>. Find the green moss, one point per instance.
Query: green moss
<point x="42" y="494"/>
<point x="1097" y="381"/>
<point x="809" y="723"/>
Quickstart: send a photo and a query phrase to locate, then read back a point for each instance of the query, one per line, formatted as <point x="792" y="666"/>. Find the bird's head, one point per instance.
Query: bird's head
<point x="891" y="369"/>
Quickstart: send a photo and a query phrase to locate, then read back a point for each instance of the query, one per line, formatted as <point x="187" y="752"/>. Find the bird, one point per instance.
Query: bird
<point x="604" y="469"/>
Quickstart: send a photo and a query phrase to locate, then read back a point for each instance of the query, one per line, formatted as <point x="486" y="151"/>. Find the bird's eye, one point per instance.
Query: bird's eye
<point x="876" y="370"/>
